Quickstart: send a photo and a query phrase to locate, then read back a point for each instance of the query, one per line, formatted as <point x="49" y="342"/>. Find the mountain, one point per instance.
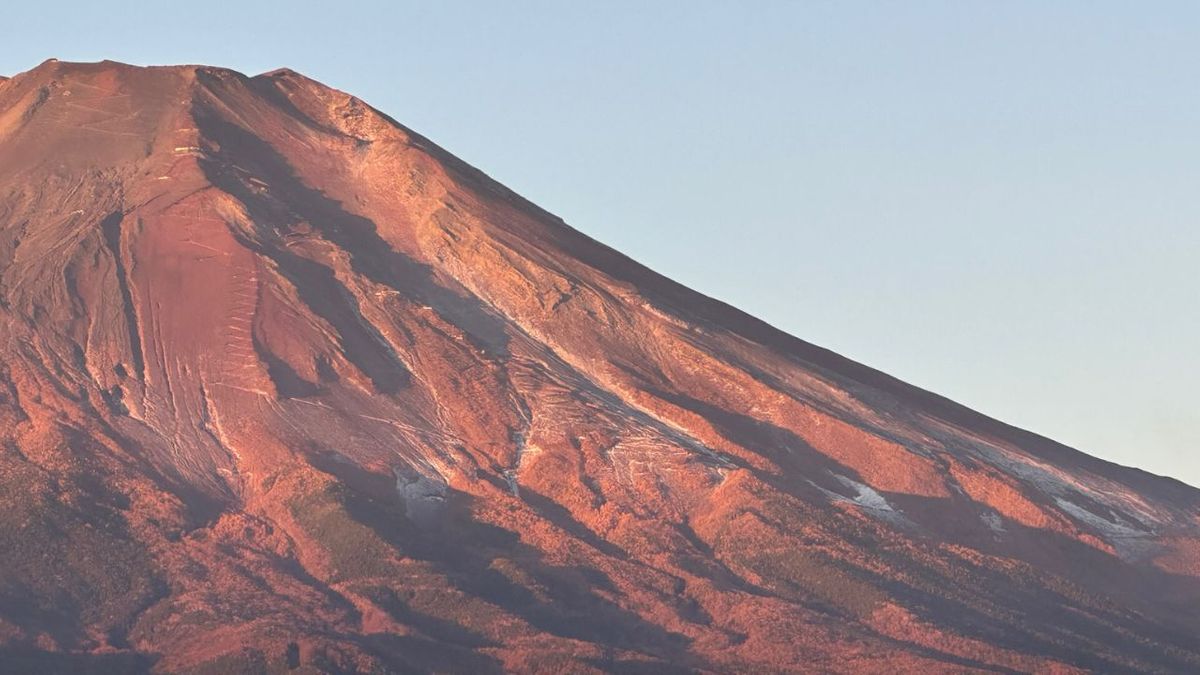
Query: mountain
<point x="285" y="387"/>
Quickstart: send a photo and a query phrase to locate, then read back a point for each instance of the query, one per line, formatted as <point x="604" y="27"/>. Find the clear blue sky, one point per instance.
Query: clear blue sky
<point x="996" y="201"/>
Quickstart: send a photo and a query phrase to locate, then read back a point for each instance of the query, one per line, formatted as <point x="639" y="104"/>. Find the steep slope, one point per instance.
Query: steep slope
<point x="286" y="386"/>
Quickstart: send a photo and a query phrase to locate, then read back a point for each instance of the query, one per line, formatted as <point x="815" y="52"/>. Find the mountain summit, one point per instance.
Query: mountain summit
<point x="286" y="387"/>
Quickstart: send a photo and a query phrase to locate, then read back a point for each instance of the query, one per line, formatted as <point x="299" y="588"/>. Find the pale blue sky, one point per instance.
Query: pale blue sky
<point x="996" y="201"/>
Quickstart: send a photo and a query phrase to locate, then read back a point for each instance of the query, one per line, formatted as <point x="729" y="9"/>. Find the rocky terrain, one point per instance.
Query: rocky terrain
<point x="285" y="387"/>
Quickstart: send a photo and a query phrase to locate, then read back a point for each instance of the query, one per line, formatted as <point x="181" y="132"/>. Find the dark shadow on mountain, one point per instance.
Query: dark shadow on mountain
<point x="288" y="383"/>
<point x="76" y="564"/>
<point x="15" y="660"/>
<point x="435" y="628"/>
<point x="796" y="459"/>
<point x="327" y="297"/>
<point x="1054" y="599"/>
<point x="617" y="666"/>
<point x="288" y="201"/>
<point x="472" y="554"/>
<point x="407" y="655"/>
<point x="562" y="518"/>
<point x="1051" y="621"/>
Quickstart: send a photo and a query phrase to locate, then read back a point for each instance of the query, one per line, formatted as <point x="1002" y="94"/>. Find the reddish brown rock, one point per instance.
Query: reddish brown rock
<point x="285" y="385"/>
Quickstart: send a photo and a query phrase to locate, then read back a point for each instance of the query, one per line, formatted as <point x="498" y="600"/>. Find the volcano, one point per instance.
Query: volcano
<point x="286" y="387"/>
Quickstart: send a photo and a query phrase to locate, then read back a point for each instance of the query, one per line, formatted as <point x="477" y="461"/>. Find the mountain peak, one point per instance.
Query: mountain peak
<point x="283" y="383"/>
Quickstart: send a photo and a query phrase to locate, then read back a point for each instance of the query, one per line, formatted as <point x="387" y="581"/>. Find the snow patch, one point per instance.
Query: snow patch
<point x="510" y="477"/>
<point x="1060" y="485"/>
<point x="1106" y="527"/>
<point x="866" y="496"/>
<point x="423" y="495"/>
<point x="1130" y="543"/>
<point x="993" y="521"/>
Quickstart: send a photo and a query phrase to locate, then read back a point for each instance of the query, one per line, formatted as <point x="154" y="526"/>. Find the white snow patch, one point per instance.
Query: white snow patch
<point x="1106" y="527"/>
<point x="1130" y="543"/>
<point x="511" y="477"/>
<point x="423" y="495"/>
<point x="1044" y="477"/>
<point x="993" y="521"/>
<point x="1058" y="484"/>
<point x="866" y="496"/>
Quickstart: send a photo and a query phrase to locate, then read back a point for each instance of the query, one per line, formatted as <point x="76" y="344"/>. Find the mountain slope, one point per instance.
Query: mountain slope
<point x="286" y="386"/>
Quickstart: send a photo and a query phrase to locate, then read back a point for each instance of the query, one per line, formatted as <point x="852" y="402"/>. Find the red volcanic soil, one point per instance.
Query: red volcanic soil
<point x="286" y="387"/>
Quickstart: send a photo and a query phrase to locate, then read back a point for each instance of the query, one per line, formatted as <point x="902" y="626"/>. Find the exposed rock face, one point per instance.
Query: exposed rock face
<point x="285" y="386"/>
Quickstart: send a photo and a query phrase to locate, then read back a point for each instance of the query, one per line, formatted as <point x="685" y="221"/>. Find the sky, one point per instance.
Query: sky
<point x="999" y="202"/>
